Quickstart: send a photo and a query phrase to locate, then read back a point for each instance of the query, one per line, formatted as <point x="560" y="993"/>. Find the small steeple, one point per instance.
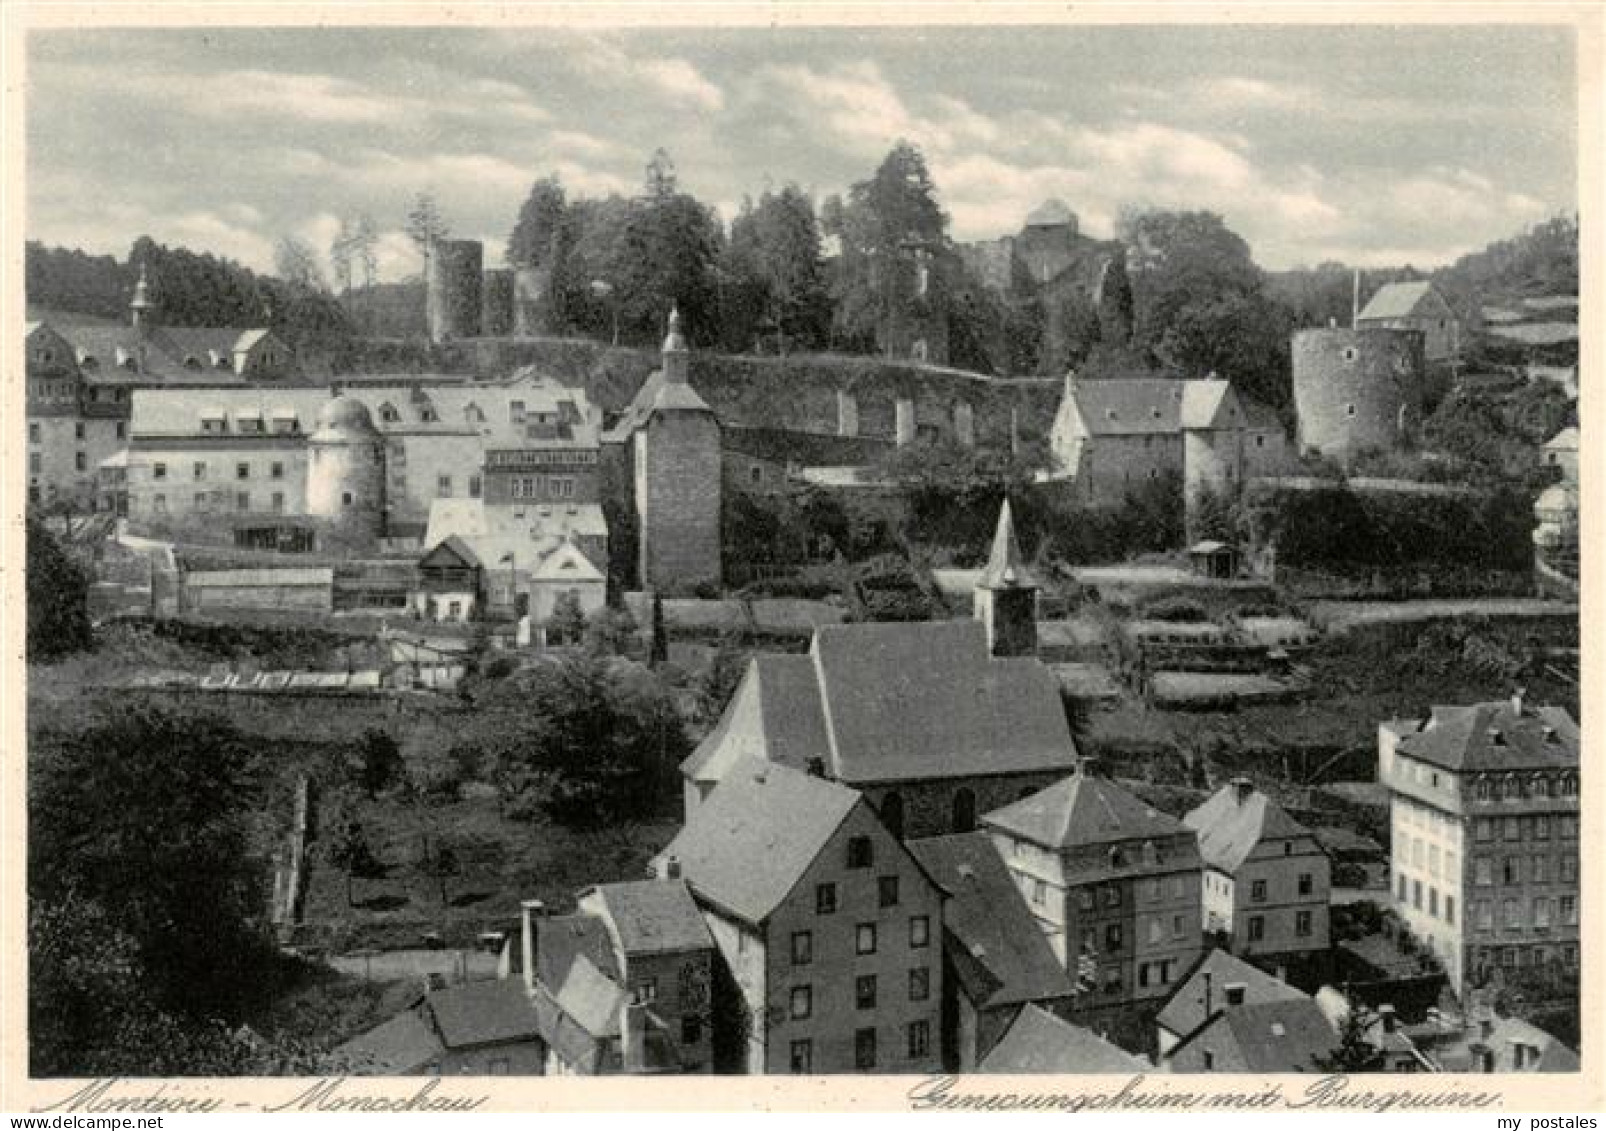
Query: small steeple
<point x="1006" y="569"/>
<point x="674" y="351"/>
<point x="141" y="301"/>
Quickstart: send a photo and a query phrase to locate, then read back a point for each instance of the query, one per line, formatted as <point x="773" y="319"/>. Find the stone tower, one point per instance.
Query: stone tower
<point x="1006" y="595"/>
<point x="676" y="456"/>
<point x="1356" y="389"/>
<point x="346" y="470"/>
<point x="453" y="275"/>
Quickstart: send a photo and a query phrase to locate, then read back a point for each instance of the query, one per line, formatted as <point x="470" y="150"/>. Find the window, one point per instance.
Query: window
<point x="1511" y="914"/>
<point x="861" y="854"/>
<point x="802" y="1002"/>
<point x="691" y="1030"/>
<point x="1401" y="893"/>
<point x="919" y="1039"/>
<point x="1416" y="894"/>
<point x="864" y="1048"/>
<point x="278" y="502"/>
<point x="388" y="413"/>
<point x="864" y="991"/>
<point x="1542" y="913"/>
<point x="198" y="471"/>
<point x="1569" y="869"/>
<point x="443" y="486"/>
<point x="1482" y="872"/>
<point x="919" y="931"/>
<point x="242" y="501"/>
<point x="159" y="504"/>
<point x="200" y="500"/>
<point x="1257" y="891"/>
<point x="1112" y="895"/>
<point x="474" y="486"/>
<point x="1449" y="909"/>
<point x="864" y="939"/>
<point x="1153" y="890"/>
<point x="802" y="948"/>
<point x="1178" y="926"/>
<point x="919" y="984"/>
<point x="1112" y="936"/>
<point x="1511" y="870"/>
<point x="1433" y="901"/>
<point x="1541" y="827"/>
<point x="1302" y="923"/>
<point x="645" y="991"/>
<point x="825" y="899"/>
<point x="78" y="430"/>
<point x="1483" y="829"/>
<point x="1176" y="887"/>
<point x="1349" y="410"/>
<point x="276" y="470"/>
<point x="1540" y="868"/>
<point x="346" y="498"/>
<point x="1568" y="910"/>
<point x="802" y="1058"/>
<point x="242" y="471"/>
<point x="887" y="891"/>
<point x="1567" y="827"/>
<point x="1513" y="828"/>
<point x="1084" y="898"/>
<point x="33" y="433"/>
<point x="35" y="462"/>
<point x="80" y="461"/>
<point x="158" y="471"/>
<point x="1306" y="883"/>
<point x="1483" y="913"/>
<point x="1257" y="928"/>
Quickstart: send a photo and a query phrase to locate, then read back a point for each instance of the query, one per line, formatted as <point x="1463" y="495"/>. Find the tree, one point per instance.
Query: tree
<point x="297" y="264"/>
<point x="775" y="250"/>
<point x="1354" y="1051"/>
<point x="376" y="763"/>
<point x="886" y="222"/>
<point x="1115" y="303"/>
<point x="612" y="632"/>
<point x="350" y="852"/>
<point x="567" y="624"/>
<point x="152" y="815"/>
<point x="425" y="223"/>
<point x="58" y="598"/>
<point x="539" y="232"/>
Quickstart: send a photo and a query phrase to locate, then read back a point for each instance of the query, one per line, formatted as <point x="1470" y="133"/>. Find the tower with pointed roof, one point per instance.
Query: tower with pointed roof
<point x="1006" y="594"/>
<point x="141" y="304"/>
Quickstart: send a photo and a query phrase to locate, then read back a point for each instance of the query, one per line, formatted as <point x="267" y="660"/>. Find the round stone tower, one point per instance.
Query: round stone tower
<point x="346" y="469"/>
<point x="452" y="289"/>
<point x="1356" y="389"/>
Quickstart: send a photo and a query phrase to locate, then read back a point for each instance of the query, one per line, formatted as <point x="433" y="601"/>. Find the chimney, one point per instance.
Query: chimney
<point x="672" y="868"/>
<point x="1235" y="993"/>
<point x="633" y="1036"/>
<point x="1209" y="980"/>
<point x="1516" y="700"/>
<point x="1385" y="1013"/>
<point x="1242" y="787"/>
<point x="531" y="912"/>
<point x="1355" y="301"/>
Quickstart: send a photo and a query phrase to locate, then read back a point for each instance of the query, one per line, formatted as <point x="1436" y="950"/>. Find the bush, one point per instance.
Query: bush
<point x="1177" y="611"/>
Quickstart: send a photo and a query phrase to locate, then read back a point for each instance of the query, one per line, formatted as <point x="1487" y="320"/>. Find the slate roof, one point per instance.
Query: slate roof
<point x="654" y="917"/>
<point x="1492" y="736"/>
<point x="1144" y="406"/>
<point x="1395" y="300"/>
<point x="655" y="395"/>
<point x="1006" y="568"/>
<point x="1082" y="809"/>
<point x="1230" y="828"/>
<point x="748" y="843"/>
<point x="998" y="950"/>
<point x="483" y="1013"/>
<point x="1277" y="1036"/>
<point x="1038" y="1041"/>
<point x="563" y="939"/>
<point x="401" y="1046"/>
<point x="1553" y="1055"/>
<point x="1184" y="1011"/>
<point x="531" y="533"/>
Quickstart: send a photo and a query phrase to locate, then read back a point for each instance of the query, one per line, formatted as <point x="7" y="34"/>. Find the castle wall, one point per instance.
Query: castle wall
<point x="1356" y="389"/>
<point x="452" y="289"/>
<point x="496" y="310"/>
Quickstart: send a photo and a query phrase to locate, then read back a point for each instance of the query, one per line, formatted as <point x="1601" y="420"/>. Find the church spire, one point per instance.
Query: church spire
<point x="1006" y="568"/>
<point x="142" y="300"/>
<point x="674" y="350"/>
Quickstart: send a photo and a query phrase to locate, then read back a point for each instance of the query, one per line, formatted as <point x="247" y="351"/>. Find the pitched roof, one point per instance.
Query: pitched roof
<point x="403" y="1045"/>
<point x="1278" y="1036"/>
<point x="999" y="952"/>
<point x="453" y="545"/>
<point x="1396" y="300"/>
<point x="916" y="701"/>
<point x="1230" y="825"/>
<point x="1553" y="1055"/>
<point x="562" y="940"/>
<point x="1038" y="1041"/>
<point x="1080" y="810"/>
<point x="655" y="395"/>
<point x="653" y="917"/>
<point x="530" y="533"/>
<point x="748" y="843"/>
<point x="483" y="1013"/>
<point x="1185" y="1010"/>
<point x="1143" y="406"/>
<point x="1494" y="736"/>
<point x="1564" y="441"/>
<point x="1005" y="568"/>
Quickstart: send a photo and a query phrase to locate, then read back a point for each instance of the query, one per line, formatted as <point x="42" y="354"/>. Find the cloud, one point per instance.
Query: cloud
<point x="605" y="63"/>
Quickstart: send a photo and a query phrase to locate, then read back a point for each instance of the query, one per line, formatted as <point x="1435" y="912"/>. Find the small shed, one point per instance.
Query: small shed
<point x="1213" y="559"/>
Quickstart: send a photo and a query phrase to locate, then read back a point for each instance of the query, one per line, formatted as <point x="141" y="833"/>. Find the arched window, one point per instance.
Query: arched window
<point x="964" y="814"/>
<point x="892" y="813"/>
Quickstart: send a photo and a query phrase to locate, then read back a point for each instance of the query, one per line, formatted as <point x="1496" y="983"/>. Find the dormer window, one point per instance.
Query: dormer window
<point x="428" y="414"/>
<point x="192" y="362"/>
<point x="388" y="413"/>
<point x="89" y="361"/>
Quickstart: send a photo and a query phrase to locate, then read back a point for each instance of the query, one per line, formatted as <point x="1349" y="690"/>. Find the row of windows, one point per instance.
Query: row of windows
<point x="1414" y="889"/>
<point x="198" y="470"/>
<point x="1259" y="891"/>
<point x="79" y="431"/>
<point x="1109" y="895"/>
<point x="1304" y="926"/>
<point x="865" y="1056"/>
<point x="564" y="457"/>
<point x="214" y="500"/>
<point x="443" y="486"/>
<point x="1513" y="957"/>
<point x="1534" y="827"/>
<point x="1419" y="853"/>
<point x="1539" y="913"/>
<point x="541" y="486"/>
<point x="866" y="992"/>
<point x="80" y="462"/>
<point x="1156" y="973"/>
<point x="1513" y="787"/>
<point x="250" y="425"/>
<point x="1539" y="870"/>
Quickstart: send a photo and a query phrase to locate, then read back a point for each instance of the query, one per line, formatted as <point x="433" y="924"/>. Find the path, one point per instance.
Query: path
<point x="1341" y="616"/>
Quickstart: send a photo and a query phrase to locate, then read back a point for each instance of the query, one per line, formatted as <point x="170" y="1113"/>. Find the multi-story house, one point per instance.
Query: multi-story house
<point x="829" y="933"/>
<point x="1267" y="881"/>
<point x="1484" y="813"/>
<point x="1415" y="306"/>
<point x="1115" y="886"/>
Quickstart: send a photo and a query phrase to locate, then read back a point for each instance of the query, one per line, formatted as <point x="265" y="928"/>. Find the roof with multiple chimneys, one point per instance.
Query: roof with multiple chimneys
<point x="1506" y="735"/>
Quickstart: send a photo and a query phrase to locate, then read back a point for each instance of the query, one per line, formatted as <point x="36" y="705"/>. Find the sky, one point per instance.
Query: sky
<point x="1374" y="146"/>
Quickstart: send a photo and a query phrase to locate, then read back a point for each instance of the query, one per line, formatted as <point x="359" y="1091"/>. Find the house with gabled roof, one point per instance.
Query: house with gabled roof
<point x="996" y="962"/>
<point x="1266" y="1037"/>
<point x="1415" y="306"/>
<point x="828" y="930"/>
<point x="1267" y="879"/>
<point x="1115" y="887"/>
<point x="918" y="716"/>
<point x="1218" y="981"/>
<point x="1039" y="1041"/>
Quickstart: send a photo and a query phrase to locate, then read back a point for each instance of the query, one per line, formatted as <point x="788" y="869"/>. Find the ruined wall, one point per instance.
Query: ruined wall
<point x="452" y="289"/>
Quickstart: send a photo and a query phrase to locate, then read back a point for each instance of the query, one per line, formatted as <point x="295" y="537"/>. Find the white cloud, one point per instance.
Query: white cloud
<point x="607" y="64"/>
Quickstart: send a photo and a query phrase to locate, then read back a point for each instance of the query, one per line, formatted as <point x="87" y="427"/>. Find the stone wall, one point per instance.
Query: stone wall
<point x="1356" y="389"/>
<point x="678" y="477"/>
